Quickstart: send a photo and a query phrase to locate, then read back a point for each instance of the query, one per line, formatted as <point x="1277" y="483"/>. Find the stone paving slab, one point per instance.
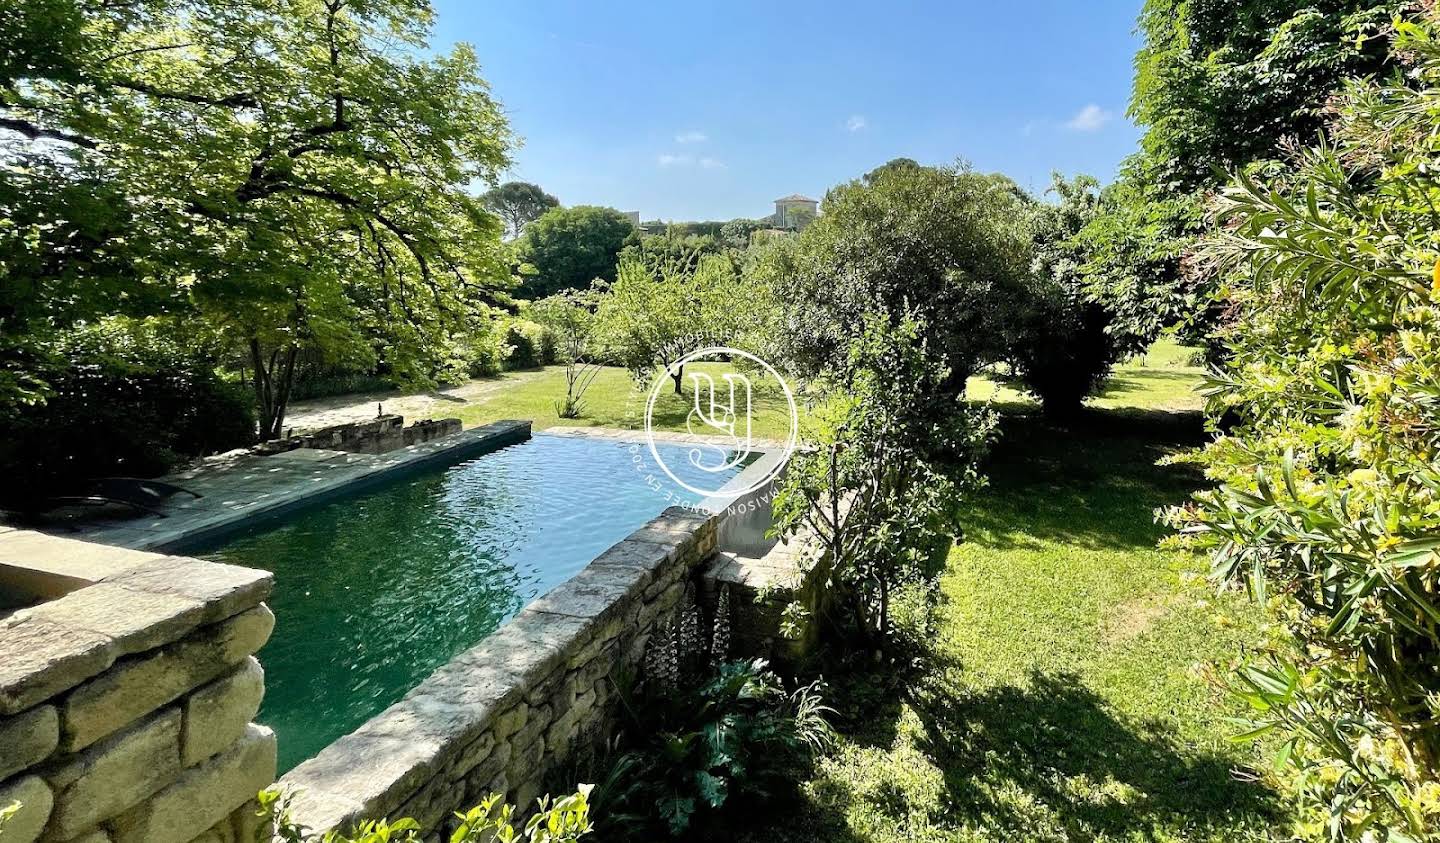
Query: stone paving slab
<point x="237" y="487"/>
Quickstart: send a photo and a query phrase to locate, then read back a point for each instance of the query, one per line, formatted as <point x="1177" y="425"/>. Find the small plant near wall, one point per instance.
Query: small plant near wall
<point x="563" y="821"/>
<point x="703" y="734"/>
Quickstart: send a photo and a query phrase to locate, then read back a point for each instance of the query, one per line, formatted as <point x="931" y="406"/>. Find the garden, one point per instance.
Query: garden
<point x="1119" y="503"/>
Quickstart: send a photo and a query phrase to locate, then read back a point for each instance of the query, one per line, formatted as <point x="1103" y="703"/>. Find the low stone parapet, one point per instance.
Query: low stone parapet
<point x="499" y="716"/>
<point x="126" y="695"/>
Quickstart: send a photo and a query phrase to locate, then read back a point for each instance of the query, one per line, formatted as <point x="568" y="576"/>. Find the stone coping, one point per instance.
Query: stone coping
<point x="454" y="720"/>
<point x="127" y="602"/>
<point x="239" y="488"/>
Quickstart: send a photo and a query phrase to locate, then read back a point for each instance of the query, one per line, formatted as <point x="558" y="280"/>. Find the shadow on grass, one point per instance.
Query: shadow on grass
<point x="1054" y="746"/>
<point x="1091" y="481"/>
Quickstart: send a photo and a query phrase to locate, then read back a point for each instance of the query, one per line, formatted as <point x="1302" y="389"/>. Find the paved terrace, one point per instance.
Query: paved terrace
<point x="235" y="488"/>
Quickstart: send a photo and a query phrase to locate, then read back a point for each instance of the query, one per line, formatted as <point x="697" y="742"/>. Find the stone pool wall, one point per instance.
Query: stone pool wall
<point x="498" y="717"/>
<point x="126" y="694"/>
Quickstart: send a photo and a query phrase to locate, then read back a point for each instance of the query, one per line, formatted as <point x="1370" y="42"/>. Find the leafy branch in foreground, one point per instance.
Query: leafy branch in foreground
<point x="1328" y="503"/>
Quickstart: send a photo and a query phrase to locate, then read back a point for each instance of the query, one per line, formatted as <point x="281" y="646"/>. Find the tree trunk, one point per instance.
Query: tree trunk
<point x="678" y="376"/>
<point x="272" y="382"/>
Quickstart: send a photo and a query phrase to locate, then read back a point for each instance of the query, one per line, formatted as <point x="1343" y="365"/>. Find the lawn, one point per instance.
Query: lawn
<point x="614" y="400"/>
<point x="1065" y="695"/>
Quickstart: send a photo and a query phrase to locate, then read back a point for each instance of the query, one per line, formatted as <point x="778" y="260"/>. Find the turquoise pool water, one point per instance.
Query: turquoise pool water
<point x="375" y="591"/>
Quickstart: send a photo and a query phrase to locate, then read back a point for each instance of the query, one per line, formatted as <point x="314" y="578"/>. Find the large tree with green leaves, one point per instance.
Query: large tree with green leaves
<point x="286" y="174"/>
<point x="568" y="248"/>
<point x="949" y="245"/>
<point x="1219" y="84"/>
<point x="518" y="203"/>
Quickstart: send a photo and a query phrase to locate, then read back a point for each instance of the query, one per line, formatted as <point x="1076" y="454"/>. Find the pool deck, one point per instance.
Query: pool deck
<point x="235" y="488"/>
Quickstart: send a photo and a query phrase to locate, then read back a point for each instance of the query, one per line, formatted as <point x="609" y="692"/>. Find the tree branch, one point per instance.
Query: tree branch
<point x="34" y="132"/>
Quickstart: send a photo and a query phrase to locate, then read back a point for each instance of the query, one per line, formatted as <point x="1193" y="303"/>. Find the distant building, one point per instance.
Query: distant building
<point x="633" y="217"/>
<point x="794" y="212"/>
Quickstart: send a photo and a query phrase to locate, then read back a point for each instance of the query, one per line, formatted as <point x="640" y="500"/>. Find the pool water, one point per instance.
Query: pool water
<point x="374" y="591"/>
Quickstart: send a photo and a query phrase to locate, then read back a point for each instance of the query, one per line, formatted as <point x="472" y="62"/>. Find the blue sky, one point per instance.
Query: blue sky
<point x="690" y="110"/>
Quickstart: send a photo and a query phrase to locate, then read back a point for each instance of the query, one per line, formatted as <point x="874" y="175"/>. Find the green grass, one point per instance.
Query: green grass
<point x="1064" y="697"/>
<point x="614" y="400"/>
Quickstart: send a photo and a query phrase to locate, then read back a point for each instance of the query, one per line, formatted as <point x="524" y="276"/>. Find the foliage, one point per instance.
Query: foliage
<point x="707" y="740"/>
<point x="879" y="489"/>
<point x="570" y="318"/>
<point x="293" y="174"/>
<point x="563" y="821"/>
<point x="736" y="233"/>
<point x="518" y="203"/>
<point x="1327" y="500"/>
<point x="1218" y="84"/>
<point x="571" y="247"/>
<point x="953" y="245"/>
<point x="1132" y="249"/>
<point x="1064" y="350"/>
<point x="131" y="401"/>
<point x="659" y="310"/>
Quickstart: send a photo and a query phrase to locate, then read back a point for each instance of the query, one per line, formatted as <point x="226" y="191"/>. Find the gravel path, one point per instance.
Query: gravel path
<point x="324" y="412"/>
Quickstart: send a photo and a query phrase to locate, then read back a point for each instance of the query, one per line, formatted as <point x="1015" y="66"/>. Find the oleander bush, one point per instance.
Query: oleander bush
<point x="1327" y="505"/>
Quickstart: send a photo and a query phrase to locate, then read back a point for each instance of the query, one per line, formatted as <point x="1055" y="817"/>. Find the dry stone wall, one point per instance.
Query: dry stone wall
<point x="125" y="704"/>
<point x="499" y="716"/>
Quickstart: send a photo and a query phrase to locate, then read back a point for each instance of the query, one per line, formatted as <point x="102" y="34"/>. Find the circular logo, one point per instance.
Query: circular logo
<point x="722" y="413"/>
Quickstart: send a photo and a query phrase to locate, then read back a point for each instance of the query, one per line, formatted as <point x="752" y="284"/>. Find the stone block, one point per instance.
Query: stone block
<point x="510" y="722"/>
<point x="141" y="684"/>
<point x="595" y="598"/>
<point x="115" y="774"/>
<point x="224" y="590"/>
<point x="27" y="738"/>
<point x="529" y="646"/>
<point x="217" y="715"/>
<point x="359" y="775"/>
<point x="70" y="561"/>
<point x="203" y="795"/>
<point x="39" y="658"/>
<point x="135" y="620"/>
<point x="36" y="802"/>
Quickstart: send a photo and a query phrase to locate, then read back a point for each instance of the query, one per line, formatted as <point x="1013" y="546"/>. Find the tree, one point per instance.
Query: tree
<point x="570" y="318"/>
<point x="951" y="244"/>
<point x="518" y="203"/>
<point x="735" y="234"/>
<point x="292" y="175"/>
<point x="660" y="308"/>
<point x="1325" y="506"/>
<point x="880" y="486"/>
<point x="1065" y="349"/>
<point x="571" y="247"/>
<point x="1218" y="85"/>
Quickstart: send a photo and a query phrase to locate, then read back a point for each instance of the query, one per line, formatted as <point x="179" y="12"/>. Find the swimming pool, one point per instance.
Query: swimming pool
<point x="374" y="591"/>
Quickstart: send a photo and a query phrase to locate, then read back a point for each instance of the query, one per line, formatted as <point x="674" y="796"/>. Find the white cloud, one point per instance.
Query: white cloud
<point x="712" y="163"/>
<point x="692" y="136"/>
<point x="1091" y="118"/>
<point x="669" y="160"/>
<point x="856" y="123"/>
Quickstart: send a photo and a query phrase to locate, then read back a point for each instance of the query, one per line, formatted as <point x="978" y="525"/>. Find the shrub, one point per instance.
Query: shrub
<point x="531" y="345"/>
<point x="709" y="740"/>
<point x="1327" y="506"/>
<point x="563" y="821"/>
<point x="881" y="487"/>
<point x="125" y="402"/>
